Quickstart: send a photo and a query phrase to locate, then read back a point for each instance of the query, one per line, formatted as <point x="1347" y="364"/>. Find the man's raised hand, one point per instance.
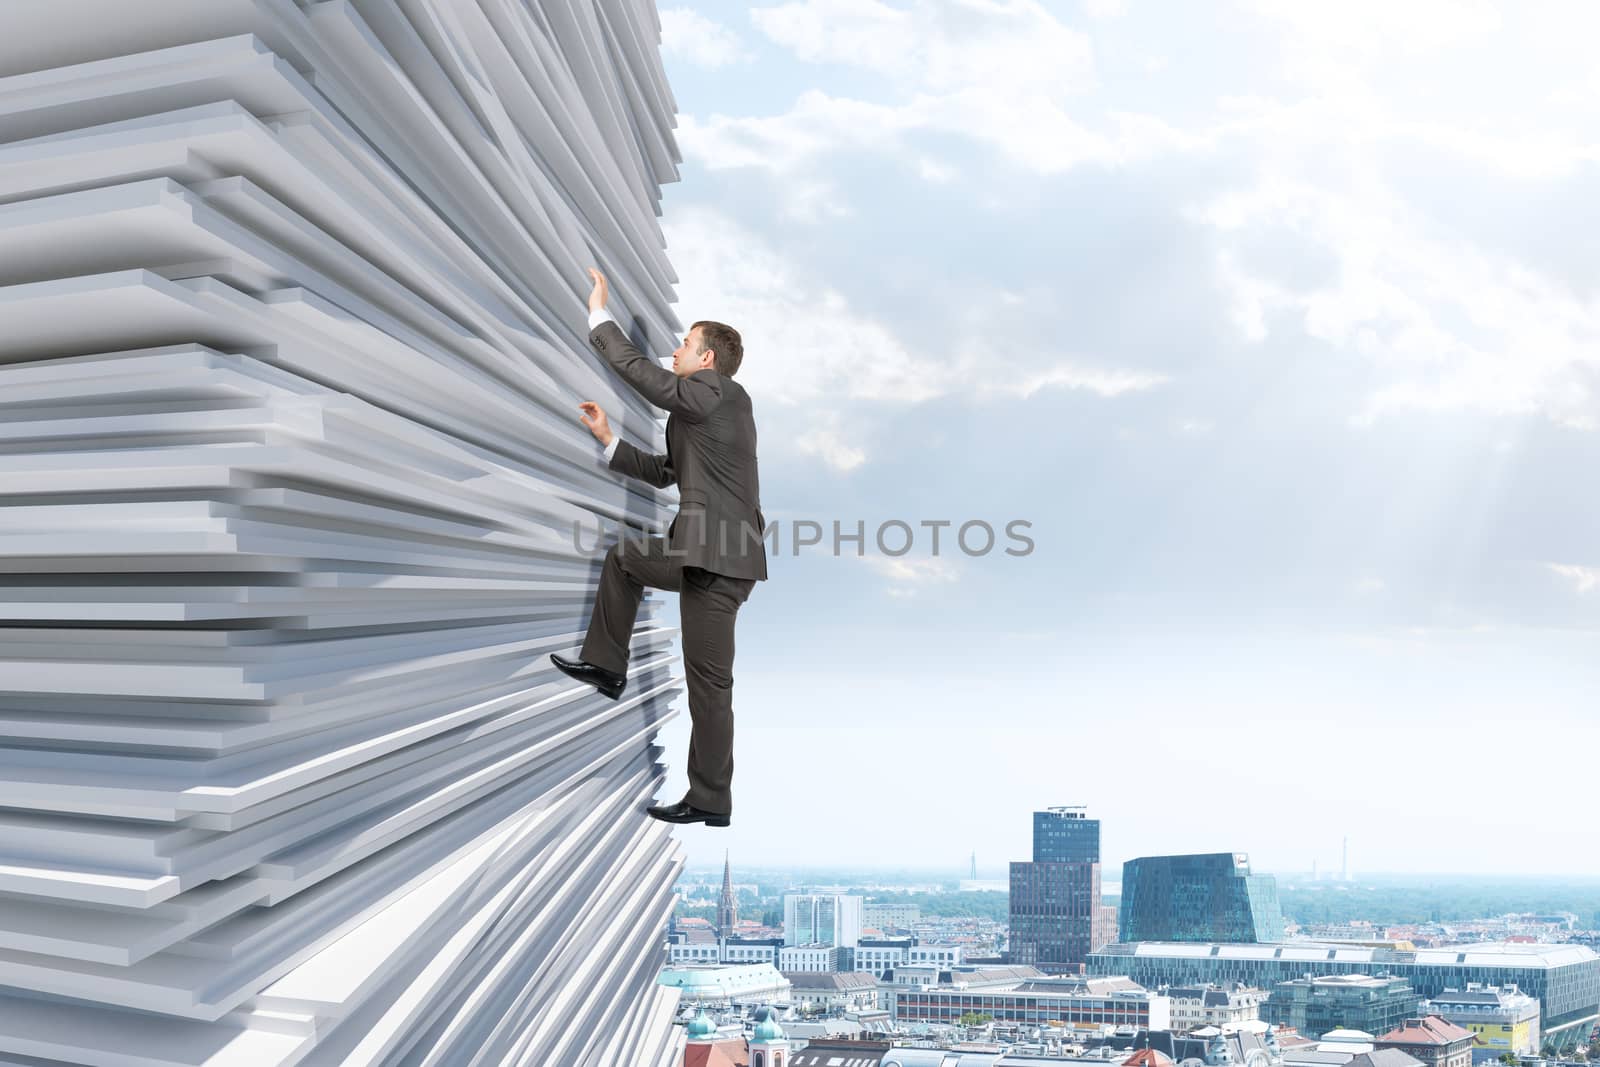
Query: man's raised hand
<point x="597" y="295"/>
<point x="595" y="419"/>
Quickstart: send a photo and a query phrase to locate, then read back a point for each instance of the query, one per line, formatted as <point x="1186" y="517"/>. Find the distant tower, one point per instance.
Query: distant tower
<point x="1313" y="870"/>
<point x="974" y="875"/>
<point x="1344" y="867"/>
<point x="727" y="907"/>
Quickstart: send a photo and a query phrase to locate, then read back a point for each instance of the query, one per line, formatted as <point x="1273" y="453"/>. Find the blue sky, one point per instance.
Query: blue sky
<point x="1278" y="324"/>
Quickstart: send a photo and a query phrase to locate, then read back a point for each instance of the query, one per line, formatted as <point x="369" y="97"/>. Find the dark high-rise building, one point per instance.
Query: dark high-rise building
<point x="1065" y="835"/>
<point x="1056" y="916"/>
<point x="1211" y="897"/>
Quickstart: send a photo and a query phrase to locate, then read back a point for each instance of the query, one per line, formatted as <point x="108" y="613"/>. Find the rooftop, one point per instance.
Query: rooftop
<point x="1345" y="981"/>
<point x="721" y="979"/>
<point x="1385" y="1057"/>
<point x="840" y="980"/>
<point x="730" y="1053"/>
<point x="1077" y="986"/>
<point x="1429" y="1030"/>
<point x="1148" y="1057"/>
<point x="1480" y="954"/>
<point x="1347" y="1035"/>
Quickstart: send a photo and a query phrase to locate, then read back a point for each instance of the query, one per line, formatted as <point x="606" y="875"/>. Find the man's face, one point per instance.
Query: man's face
<point x="686" y="359"/>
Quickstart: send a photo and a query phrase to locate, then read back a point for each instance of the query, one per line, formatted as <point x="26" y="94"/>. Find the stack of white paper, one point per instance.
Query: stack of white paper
<point x="294" y="503"/>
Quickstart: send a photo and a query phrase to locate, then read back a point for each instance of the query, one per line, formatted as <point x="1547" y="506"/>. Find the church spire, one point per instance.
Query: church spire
<point x="727" y="908"/>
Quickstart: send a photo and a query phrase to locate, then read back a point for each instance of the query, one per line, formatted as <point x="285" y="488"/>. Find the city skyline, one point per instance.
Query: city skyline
<point x="1529" y="875"/>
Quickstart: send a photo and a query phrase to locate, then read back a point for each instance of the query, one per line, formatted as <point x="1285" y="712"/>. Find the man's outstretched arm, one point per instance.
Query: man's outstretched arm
<point x="623" y="457"/>
<point x="637" y="463"/>
<point x="694" y="396"/>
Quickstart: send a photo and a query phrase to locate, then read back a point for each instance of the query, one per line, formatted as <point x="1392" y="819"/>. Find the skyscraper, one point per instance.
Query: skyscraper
<point x="821" y="919"/>
<point x="727" y="907"/>
<point x="1210" y="897"/>
<point x="1056" y="918"/>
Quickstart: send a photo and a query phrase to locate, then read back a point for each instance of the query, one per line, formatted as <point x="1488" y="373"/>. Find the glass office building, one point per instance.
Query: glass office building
<point x="822" y="919"/>
<point x="1315" y="1006"/>
<point x="1211" y="897"/>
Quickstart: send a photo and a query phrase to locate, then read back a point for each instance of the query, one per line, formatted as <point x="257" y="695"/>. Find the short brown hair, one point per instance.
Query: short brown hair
<point x="724" y="341"/>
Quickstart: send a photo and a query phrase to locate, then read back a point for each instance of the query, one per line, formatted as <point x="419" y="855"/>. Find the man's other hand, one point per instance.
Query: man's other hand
<point x="594" y="418"/>
<point x="597" y="295"/>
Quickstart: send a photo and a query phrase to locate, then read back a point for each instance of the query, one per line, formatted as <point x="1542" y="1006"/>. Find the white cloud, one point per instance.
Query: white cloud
<point x="1008" y="75"/>
<point x="830" y="447"/>
<point x="700" y="41"/>
<point x="907" y="575"/>
<point x="815" y="124"/>
<point x="804" y="342"/>
<point x="1365" y="29"/>
<point x="1063" y="376"/>
<point x="1449" y="324"/>
<point x="1104" y="9"/>
<point x="1033" y="136"/>
<point x="1584" y="580"/>
<point x="811" y="355"/>
<point x="1003" y="47"/>
<point x="1442" y="322"/>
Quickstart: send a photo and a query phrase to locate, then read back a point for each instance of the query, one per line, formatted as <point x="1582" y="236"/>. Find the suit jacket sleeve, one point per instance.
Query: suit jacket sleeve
<point x="693" y="397"/>
<point x="637" y="463"/>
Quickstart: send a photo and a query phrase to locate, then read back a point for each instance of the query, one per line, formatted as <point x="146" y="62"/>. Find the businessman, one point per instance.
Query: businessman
<point x="713" y="553"/>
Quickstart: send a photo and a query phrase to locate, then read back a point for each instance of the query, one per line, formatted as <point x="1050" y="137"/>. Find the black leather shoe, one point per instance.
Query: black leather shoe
<point x="683" y="811"/>
<point x="610" y="684"/>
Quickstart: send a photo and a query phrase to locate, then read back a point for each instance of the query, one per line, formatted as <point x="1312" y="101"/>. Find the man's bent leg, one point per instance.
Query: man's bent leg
<point x="709" y="606"/>
<point x="631" y="564"/>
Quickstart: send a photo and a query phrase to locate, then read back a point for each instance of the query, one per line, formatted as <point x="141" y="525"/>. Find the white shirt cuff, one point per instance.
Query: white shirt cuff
<point x="599" y="315"/>
<point x="611" y="449"/>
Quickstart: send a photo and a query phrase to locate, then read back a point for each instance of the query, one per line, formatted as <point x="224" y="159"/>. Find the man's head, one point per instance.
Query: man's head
<point x="713" y="345"/>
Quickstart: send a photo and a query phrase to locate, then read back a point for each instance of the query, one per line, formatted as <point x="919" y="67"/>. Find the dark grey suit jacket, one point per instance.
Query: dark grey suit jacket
<point x="711" y="457"/>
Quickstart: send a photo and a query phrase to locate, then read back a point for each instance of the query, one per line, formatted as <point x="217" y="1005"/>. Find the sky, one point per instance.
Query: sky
<point x="1275" y="325"/>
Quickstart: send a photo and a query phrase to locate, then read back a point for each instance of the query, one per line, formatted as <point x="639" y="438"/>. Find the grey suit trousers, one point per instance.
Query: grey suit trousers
<point x="708" y="605"/>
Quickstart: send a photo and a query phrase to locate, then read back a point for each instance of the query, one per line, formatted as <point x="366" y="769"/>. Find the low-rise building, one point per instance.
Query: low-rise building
<point x="1501" y="1018"/>
<point x="874" y="955"/>
<point x="1035" y="1001"/>
<point x="724" y="984"/>
<point x="891" y="916"/>
<point x="751" y="950"/>
<point x="1436" y="1042"/>
<point x="1212" y="1005"/>
<point x="935" y="954"/>
<point x="1248" y="1045"/>
<point x="708" y="1045"/>
<point x="686" y="952"/>
<point x="1316" y="1005"/>
<point x="815" y="957"/>
<point x="841" y="991"/>
<point x="1384" y="1057"/>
